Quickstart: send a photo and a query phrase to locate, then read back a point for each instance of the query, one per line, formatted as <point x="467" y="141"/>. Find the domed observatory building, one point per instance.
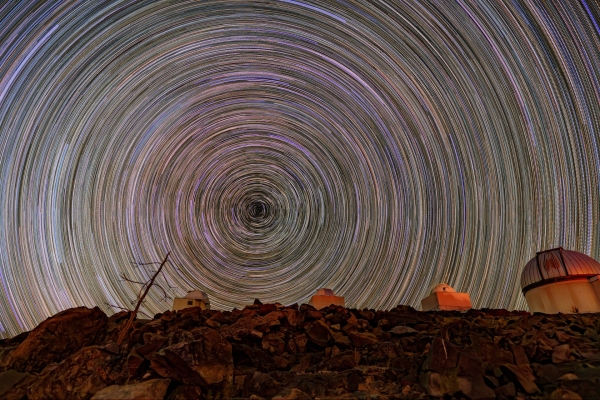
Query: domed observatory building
<point x="326" y="297"/>
<point x="194" y="298"/>
<point x="444" y="298"/>
<point x="559" y="280"/>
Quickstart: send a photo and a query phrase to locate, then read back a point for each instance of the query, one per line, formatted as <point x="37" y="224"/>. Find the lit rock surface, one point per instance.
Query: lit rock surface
<point x="58" y="337"/>
<point x="271" y="351"/>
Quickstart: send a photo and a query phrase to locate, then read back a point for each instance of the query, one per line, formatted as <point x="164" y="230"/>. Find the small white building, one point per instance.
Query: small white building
<point x="326" y="297"/>
<point x="559" y="280"/>
<point x="194" y="298"/>
<point x="444" y="298"/>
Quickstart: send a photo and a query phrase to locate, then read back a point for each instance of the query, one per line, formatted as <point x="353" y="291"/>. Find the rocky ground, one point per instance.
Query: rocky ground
<point x="271" y="351"/>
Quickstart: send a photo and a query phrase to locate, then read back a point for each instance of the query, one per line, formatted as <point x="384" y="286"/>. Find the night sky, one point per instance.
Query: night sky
<point x="277" y="147"/>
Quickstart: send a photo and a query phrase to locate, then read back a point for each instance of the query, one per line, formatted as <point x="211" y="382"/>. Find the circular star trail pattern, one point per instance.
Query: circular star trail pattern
<point x="276" y="147"/>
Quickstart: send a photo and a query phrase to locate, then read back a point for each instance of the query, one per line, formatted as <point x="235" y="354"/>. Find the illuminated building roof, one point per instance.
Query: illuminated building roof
<point x="324" y="292"/>
<point x="555" y="265"/>
<point x="443" y="287"/>
<point x="197" y="295"/>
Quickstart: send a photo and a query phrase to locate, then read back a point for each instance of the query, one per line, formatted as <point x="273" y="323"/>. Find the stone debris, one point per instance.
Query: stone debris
<point x="268" y="351"/>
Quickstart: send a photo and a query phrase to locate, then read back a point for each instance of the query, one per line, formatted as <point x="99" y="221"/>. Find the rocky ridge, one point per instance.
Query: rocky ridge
<point x="275" y="352"/>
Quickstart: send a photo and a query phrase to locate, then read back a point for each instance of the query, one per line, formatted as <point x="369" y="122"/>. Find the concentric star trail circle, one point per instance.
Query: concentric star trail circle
<point x="376" y="148"/>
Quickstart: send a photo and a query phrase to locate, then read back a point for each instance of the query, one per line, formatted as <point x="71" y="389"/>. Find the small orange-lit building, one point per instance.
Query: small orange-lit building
<point x="194" y="298"/>
<point x="444" y="298"/>
<point x="559" y="280"/>
<point x="324" y="298"/>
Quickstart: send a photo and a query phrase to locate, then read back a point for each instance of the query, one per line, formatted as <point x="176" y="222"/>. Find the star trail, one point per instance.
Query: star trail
<point x="376" y="148"/>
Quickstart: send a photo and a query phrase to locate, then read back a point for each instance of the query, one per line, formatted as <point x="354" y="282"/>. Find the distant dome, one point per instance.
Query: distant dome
<point x="324" y="292"/>
<point x="197" y="295"/>
<point x="443" y="287"/>
<point x="555" y="265"/>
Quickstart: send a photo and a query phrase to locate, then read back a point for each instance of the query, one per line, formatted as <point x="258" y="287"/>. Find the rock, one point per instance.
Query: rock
<point x="561" y="354"/>
<point x="560" y="394"/>
<point x="147" y="390"/>
<point x="293" y="317"/>
<point x="439" y="385"/>
<point x="80" y="376"/>
<point x="519" y="354"/>
<point x="523" y="375"/>
<point x="493" y="354"/>
<point x="586" y="388"/>
<point x="300" y="352"/>
<point x="244" y="355"/>
<point x="292" y="393"/>
<point x="507" y="390"/>
<point x="341" y="340"/>
<point x="319" y="333"/>
<point x="281" y="362"/>
<point x="342" y="362"/>
<point x="273" y="343"/>
<point x="442" y="356"/>
<point x="153" y="342"/>
<point x="136" y="364"/>
<point x="403" y="330"/>
<point x="185" y="392"/>
<point x="58" y="337"/>
<point x="361" y="339"/>
<point x="207" y="361"/>
<point x="261" y="384"/>
<point x="13" y="384"/>
<point x="470" y="376"/>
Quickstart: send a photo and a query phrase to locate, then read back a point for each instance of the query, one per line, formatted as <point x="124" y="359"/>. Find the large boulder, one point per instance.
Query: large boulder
<point x="13" y="384"/>
<point x="80" y="376"/>
<point x="58" y="337"/>
<point x="154" y="389"/>
<point x="206" y="362"/>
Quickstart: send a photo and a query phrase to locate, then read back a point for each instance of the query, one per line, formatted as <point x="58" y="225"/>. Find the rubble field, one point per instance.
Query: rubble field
<point x="272" y="351"/>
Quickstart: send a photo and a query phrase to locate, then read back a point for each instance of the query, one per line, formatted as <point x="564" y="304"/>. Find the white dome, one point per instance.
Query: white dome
<point x="555" y="265"/>
<point x="197" y="295"/>
<point x="324" y="292"/>
<point x="443" y="287"/>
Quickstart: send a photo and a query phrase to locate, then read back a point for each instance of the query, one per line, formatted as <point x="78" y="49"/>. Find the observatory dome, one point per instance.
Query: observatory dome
<point x="194" y="298"/>
<point x="557" y="265"/>
<point x="197" y="295"/>
<point x="559" y="280"/>
<point x="325" y="297"/>
<point x="325" y="292"/>
<point x="443" y="287"/>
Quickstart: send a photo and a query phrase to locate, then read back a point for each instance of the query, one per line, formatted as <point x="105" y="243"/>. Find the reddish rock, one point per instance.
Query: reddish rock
<point x="361" y="339"/>
<point x="58" y="337"/>
<point x="470" y="376"/>
<point x="403" y="330"/>
<point x="273" y="343"/>
<point x="319" y="334"/>
<point x="341" y="340"/>
<point x="523" y="375"/>
<point x="293" y="317"/>
<point x="207" y="361"/>
<point x="80" y="376"/>
<point x="135" y="364"/>
<point x="442" y="356"/>
<point x="562" y="354"/>
<point x="292" y="393"/>
<point x="154" y="389"/>
<point x="507" y="390"/>
<point x="185" y="392"/>
<point x="152" y="343"/>
<point x="493" y="354"/>
<point x="14" y="384"/>
<point x="561" y="393"/>
<point x="519" y="354"/>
